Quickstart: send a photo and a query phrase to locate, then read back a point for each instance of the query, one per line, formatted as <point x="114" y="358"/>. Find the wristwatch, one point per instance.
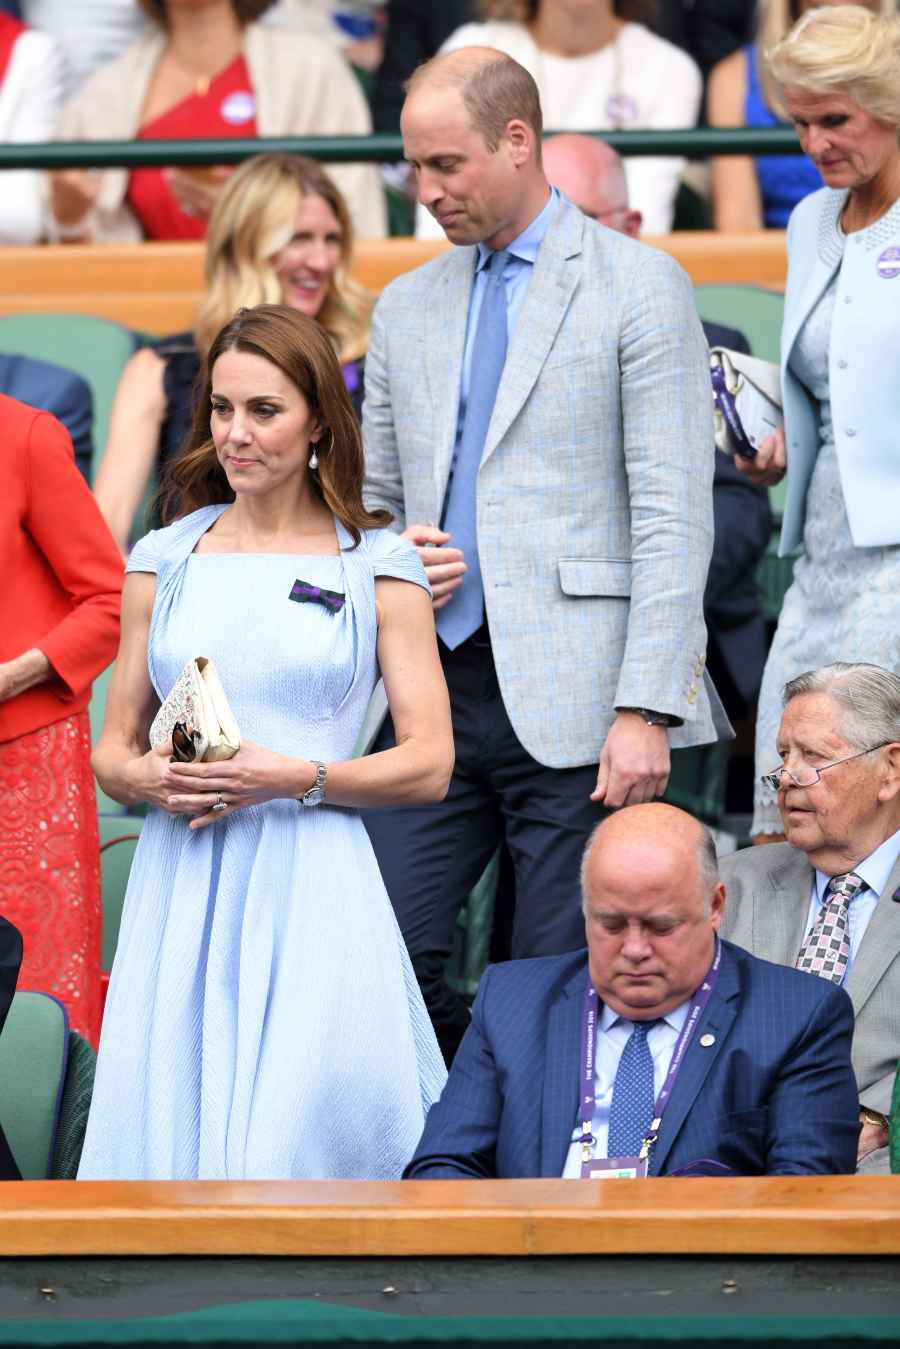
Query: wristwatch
<point x="651" y="718"/>
<point x="316" y="794"/>
<point x="873" y="1117"/>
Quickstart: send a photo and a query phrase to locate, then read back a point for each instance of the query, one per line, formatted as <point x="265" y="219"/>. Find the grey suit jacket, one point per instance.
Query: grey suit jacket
<point x="768" y="900"/>
<point x="595" y="489"/>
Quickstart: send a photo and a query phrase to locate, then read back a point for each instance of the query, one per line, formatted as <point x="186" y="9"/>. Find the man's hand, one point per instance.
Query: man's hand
<point x="769" y="465"/>
<point x="444" y="566"/>
<point x="634" y="765"/>
<point x="871" y="1137"/>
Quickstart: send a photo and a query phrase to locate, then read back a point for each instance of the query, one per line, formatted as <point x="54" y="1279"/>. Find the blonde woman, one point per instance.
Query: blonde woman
<point x="759" y="193"/>
<point x="596" y="69"/>
<point x="839" y="75"/>
<point x="280" y="233"/>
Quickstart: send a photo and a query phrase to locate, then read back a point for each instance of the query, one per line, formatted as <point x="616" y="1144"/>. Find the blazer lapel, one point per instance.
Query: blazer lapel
<point x="559" y="1106"/>
<point x="546" y="301"/>
<point x="715" y="1021"/>
<point x="812" y="287"/>
<point x="780" y="908"/>
<point x="444" y="361"/>
<point x="879" y="947"/>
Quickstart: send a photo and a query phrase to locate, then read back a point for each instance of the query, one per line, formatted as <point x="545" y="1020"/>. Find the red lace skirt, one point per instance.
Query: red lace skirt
<point x="50" y="864"/>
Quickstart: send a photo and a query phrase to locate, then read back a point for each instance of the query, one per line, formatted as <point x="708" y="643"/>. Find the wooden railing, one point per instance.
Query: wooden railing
<point x="809" y="1215"/>
<point x="155" y="287"/>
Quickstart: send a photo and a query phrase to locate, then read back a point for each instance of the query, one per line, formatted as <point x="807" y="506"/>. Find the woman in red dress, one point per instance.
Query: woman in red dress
<point x="206" y="69"/>
<point x="59" y="625"/>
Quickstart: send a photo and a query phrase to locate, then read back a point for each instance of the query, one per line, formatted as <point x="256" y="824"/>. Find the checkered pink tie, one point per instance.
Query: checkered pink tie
<point x="826" y="951"/>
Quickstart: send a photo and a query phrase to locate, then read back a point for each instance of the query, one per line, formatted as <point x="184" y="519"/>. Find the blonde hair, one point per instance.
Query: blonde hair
<point x="844" y="49"/>
<point x="252" y="221"/>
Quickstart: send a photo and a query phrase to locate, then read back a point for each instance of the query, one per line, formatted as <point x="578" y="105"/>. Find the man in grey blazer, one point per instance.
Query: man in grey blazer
<point x="537" y="418"/>
<point x="828" y="899"/>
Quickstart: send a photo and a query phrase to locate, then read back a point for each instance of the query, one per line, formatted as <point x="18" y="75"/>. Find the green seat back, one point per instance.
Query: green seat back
<point x="94" y="348"/>
<point x="119" y="836"/>
<point x="472" y="936"/>
<point x="698" y="779"/>
<point x="757" y="312"/>
<point x="33" y="1052"/>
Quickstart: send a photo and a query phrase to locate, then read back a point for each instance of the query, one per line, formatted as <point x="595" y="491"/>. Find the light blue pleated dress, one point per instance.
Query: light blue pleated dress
<point x="263" y="1019"/>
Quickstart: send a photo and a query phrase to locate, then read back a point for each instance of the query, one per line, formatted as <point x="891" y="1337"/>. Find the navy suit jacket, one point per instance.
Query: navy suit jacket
<point x="774" y="1094"/>
<point x="54" y="389"/>
<point x="10" y="960"/>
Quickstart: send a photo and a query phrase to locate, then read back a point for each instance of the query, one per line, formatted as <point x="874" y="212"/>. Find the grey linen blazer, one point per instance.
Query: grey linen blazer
<point x="594" y="493"/>
<point x="768" y="900"/>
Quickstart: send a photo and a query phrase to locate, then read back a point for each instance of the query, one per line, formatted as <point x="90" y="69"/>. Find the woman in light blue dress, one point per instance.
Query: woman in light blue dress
<point x="263" y="1019"/>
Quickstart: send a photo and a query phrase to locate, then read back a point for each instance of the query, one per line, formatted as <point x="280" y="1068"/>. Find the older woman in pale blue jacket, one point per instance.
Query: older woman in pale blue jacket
<point x="839" y="69"/>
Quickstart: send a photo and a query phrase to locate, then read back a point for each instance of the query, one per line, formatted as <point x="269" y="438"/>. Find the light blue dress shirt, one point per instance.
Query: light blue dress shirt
<point x="874" y="870"/>
<point x="516" y="275"/>
<point x="613" y="1033"/>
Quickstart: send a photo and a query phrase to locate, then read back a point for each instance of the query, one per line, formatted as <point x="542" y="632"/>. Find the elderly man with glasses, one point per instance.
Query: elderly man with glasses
<point x="828" y="900"/>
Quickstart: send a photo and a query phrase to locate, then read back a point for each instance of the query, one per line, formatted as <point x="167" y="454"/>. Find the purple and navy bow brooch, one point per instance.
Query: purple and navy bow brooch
<point x="304" y="593"/>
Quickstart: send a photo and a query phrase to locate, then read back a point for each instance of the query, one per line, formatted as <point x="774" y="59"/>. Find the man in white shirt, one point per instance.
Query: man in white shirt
<point x="828" y="900"/>
<point x="664" y="1051"/>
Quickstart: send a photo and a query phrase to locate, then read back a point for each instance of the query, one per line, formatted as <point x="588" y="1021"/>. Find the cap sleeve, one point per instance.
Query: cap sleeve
<point x="144" y="556"/>
<point x="397" y="558"/>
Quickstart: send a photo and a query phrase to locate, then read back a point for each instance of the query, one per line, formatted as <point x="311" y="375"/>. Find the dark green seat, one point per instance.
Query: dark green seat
<point x="94" y="348"/>
<point x="34" y="1050"/>
<point x="119" y="836"/>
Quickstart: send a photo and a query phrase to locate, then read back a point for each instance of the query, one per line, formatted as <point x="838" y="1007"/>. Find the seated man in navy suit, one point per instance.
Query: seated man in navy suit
<point x="54" y="389"/>
<point x="662" y="1050"/>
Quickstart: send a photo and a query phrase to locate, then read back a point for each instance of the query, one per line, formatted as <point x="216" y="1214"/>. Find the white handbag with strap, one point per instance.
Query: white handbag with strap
<point x="747" y="405"/>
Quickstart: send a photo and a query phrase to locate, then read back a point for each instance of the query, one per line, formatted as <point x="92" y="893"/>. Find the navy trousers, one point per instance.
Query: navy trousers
<point x="432" y="856"/>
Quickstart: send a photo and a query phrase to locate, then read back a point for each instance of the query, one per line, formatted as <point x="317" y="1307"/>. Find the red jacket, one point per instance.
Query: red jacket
<point x="60" y="571"/>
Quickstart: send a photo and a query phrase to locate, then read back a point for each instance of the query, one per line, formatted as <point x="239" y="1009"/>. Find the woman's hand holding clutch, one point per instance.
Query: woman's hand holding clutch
<point x="769" y="464"/>
<point x="213" y="791"/>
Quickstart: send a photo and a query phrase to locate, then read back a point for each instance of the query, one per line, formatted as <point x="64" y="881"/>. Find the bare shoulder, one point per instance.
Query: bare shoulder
<point x="726" y="90"/>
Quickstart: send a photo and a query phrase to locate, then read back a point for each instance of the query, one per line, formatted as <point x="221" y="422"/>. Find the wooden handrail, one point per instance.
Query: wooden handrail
<point x="787" y="1215"/>
<point x="156" y="287"/>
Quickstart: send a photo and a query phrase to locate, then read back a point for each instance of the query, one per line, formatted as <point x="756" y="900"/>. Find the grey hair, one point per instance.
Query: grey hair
<point x="868" y="696"/>
<point x="707" y="863"/>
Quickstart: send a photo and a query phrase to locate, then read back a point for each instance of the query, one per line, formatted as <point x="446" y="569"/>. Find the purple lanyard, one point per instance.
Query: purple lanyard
<point x="588" y="1098"/>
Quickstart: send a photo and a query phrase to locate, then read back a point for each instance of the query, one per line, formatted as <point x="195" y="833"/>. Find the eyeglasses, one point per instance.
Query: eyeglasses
<point x="184" y="747"/>
<point x="773" y="779"/>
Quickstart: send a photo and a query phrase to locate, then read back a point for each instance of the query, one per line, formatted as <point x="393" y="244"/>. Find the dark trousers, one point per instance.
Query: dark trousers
<point x="432" y="856"/>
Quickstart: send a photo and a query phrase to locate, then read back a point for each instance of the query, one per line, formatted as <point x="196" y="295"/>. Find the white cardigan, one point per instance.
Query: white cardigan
<point x="30" y="98"/>
<point x="303" y="87"/>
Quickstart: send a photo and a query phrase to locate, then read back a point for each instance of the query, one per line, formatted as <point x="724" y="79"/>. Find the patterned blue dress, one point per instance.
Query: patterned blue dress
<point x="263" y="1019"/>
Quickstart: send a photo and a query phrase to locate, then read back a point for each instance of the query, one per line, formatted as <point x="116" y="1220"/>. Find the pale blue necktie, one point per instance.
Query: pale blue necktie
<point x="633" y="1098"/>
<point x="465" y="612"/>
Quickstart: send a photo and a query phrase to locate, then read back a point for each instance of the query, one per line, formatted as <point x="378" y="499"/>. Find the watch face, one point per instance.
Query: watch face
<point x="314" y="797"/>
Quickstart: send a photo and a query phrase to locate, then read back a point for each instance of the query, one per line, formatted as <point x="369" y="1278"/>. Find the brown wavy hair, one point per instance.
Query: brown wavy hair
<point x="302" y="351"/>
<point x="245" y="11"/>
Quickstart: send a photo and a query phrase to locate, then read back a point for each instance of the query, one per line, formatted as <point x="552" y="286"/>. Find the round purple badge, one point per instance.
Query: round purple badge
<point x="620" y="108"/>
<point x="888" y="263"/>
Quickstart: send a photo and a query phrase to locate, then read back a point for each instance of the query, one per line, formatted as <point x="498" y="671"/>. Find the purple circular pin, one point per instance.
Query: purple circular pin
<point x="888" y="263"/>
<point x="620" y="108"/>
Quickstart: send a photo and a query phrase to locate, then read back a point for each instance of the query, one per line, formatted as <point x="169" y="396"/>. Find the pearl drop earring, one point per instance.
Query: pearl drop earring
<point x="314" y="459"/>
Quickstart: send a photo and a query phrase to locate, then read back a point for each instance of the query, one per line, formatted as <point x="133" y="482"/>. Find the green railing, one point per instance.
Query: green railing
<point x="382" y="148"/>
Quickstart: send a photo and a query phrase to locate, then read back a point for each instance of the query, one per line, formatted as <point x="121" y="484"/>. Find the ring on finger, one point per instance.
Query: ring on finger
<point x="220" y="803"/>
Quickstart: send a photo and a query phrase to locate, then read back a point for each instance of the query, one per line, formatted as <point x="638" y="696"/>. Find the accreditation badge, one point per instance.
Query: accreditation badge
<point x="614" y="1168"/>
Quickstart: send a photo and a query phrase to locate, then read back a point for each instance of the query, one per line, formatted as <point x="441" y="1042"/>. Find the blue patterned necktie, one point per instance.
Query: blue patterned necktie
<point x="465" y="612"/>
<point x="633" y="1097"/>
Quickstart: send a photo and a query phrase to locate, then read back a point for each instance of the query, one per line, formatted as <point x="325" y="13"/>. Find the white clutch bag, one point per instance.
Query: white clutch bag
<point x="746" y="400"/>
<point x="196" y="717"/>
